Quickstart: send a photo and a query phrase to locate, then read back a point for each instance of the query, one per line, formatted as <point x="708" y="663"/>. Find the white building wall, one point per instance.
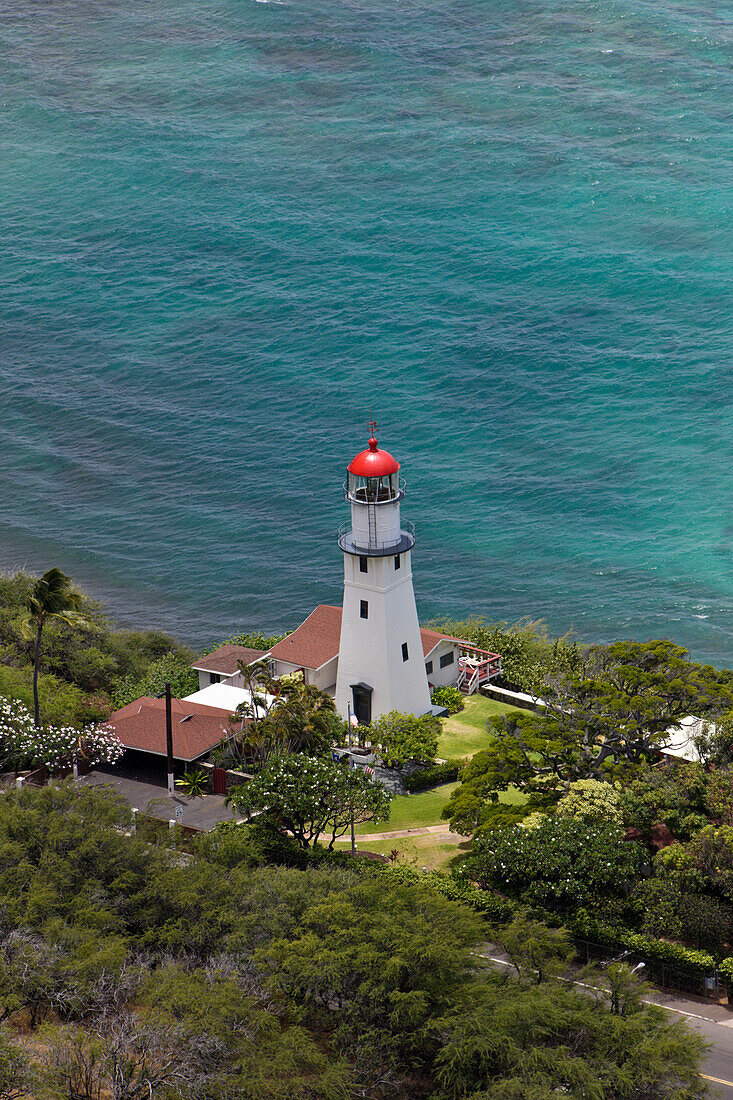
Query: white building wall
<point x="387" y="518"/>
<point x="443" y="677"/>
<point x="371" y="648"/>
<point x="325" y="677"/>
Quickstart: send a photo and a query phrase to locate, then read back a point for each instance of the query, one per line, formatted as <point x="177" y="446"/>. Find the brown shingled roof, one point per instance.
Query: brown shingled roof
<point x="315" y="642"/>
<point x="196" y="727"/>
<point x="224" y="660"/>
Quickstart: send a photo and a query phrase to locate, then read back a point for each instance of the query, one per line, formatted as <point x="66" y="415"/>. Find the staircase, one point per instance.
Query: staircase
<point x="469" y="680"/>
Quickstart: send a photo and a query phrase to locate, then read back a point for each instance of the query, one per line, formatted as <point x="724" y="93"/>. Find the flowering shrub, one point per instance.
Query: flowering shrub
<point x="311" y="797"/>
<point x="23" y="745"/>
<point x="561" y="864"/>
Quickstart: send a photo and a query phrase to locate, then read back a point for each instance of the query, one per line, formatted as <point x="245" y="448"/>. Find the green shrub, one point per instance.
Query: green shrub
<point x="449" y="697"/>
<point x="433" y="776"/>
<point x="561" y="865"/>
<point x="403" y="737"/>
<point x="170" y="668"/>
<point x="254" y="639"/>
<point x="725" y="969"/>
<point x="674" y="955"/>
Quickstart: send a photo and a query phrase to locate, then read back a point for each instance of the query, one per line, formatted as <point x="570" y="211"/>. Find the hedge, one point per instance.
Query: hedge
<point x="433" y="776"/>
<point x="673" y="954"/>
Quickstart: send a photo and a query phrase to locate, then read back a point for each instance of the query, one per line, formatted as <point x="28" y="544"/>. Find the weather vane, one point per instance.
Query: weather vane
<point x="372" y="423"/>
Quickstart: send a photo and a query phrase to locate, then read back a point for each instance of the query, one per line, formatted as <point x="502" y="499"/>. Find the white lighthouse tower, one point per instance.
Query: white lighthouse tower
<point x="380" y="665"/>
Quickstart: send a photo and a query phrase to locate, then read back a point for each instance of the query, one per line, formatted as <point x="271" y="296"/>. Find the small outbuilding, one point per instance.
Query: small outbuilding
<point x="222" y="665"/>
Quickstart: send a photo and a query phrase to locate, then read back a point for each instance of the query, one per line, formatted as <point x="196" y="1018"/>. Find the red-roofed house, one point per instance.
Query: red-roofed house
<point x="140" y="727"/>
<point x="222" y="665"/>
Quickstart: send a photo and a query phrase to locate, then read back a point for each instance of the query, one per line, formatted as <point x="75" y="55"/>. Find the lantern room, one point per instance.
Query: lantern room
<point x="373" y="477"/>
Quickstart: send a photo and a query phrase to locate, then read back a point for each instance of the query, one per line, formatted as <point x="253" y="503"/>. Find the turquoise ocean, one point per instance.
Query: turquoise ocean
<point x="229" y="229"/>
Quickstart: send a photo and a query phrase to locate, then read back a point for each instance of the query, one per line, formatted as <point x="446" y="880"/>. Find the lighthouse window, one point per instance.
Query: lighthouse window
<point x="447" y="659"/>
<point x="363" y="564"/>
<point x="364" y="609"/>
<point x="397" y="561"/>
<point x="405" y="654"/>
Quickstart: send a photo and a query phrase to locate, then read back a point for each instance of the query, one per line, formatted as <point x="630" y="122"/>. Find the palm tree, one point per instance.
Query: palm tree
<point x="50" y="597"/>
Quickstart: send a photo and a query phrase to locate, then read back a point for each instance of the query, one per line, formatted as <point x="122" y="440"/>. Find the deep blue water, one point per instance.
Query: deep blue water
<point x="228" y="228"/>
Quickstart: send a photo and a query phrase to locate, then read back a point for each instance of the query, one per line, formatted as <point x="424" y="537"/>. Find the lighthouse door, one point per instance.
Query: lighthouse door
<point x="362" y="695"/>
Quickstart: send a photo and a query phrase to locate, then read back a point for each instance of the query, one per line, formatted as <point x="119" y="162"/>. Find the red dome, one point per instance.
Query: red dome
<point x="374" y="463"/>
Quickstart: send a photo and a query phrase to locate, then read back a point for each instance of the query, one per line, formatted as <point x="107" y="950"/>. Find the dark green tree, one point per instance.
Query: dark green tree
<point x="311" y="798"/>
<point x="601" y="722"/>
<point x="52" y="596"/>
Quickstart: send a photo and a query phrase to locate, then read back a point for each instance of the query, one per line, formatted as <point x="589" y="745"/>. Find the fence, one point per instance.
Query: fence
<point x="660" y="973"/>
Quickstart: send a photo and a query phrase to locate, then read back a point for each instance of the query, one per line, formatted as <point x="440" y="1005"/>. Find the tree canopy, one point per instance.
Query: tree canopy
<point x="602" y="721"/>
<point x="219" y="975"/>
<point x="311" y="797"/>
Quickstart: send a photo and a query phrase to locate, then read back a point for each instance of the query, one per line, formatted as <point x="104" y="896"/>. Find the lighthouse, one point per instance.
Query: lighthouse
<point x="380" y="664"/>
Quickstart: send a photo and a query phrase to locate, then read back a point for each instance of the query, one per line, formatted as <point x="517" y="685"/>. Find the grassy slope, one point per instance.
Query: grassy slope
<point x="434" y="852"/>
<point x="465" y="733"/>
<point x="413" y="810"/>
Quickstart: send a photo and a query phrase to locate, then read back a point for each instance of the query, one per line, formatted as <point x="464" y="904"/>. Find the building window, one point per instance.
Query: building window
<point x="429" y="667"/>
<point x="363" y="564"/>
<point x="447" y="659"/>
<point x="397" y="561"/>
<point x="405" y="654"/>
<point x="214" y="677"/>
<point x="364" y="609"/>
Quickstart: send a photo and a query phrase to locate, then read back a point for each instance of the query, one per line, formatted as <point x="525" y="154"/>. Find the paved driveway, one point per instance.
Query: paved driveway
<point x="151" y="798"/>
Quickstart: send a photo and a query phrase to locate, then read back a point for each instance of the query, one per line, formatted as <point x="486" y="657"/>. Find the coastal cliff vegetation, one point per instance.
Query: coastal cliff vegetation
<point x="249" y="970"/>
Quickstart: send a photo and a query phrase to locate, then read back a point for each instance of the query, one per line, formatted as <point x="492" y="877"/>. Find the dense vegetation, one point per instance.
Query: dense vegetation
<point x="88" y="666"/>
<point x="83" y="669"/>
<point x="592" y="841"/>
<point x="229" y="974"/>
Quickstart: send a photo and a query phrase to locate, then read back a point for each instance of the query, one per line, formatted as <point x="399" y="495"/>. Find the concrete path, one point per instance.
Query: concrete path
<point x="150" y="798"/>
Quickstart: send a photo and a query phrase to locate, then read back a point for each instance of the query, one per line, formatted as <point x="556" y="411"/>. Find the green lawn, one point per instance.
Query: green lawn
<point x="434" y="852"/>
<point x="465" y="733"/>
<point x="413" y="811"/>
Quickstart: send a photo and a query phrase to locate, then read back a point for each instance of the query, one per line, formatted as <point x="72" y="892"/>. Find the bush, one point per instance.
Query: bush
<point x="590" y="801"/>
<point x="449" y="697"/>
<point x="674" y="955"/>
<point x="170" y="668"/>
<point x="250" y="640"/>
<point x="561" y="865"/>
<point x="433" y="776"/>
<point x="404" y="737"/>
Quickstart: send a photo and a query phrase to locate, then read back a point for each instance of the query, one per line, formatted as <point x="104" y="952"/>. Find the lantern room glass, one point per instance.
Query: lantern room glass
<point x="373" y="490"/>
